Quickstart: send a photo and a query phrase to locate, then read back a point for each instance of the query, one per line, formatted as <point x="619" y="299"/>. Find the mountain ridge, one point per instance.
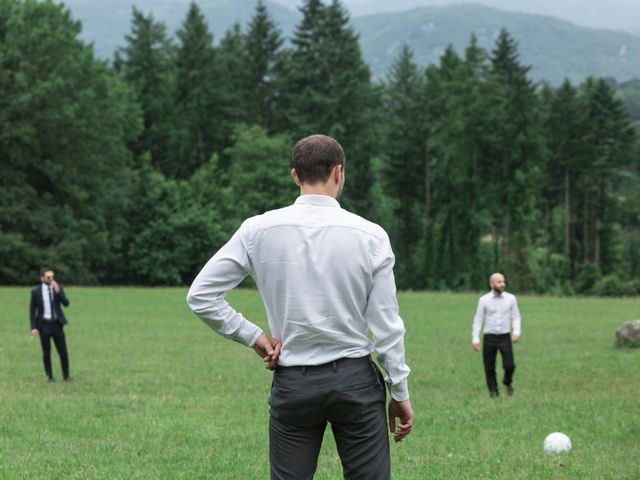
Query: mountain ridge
<point x="618" y="15"/>
<point x="555" y="48"/>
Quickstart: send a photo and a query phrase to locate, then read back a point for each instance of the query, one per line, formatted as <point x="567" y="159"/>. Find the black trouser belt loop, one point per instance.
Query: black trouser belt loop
<point x="335" y="366"/>
<point x="304" y="370"/>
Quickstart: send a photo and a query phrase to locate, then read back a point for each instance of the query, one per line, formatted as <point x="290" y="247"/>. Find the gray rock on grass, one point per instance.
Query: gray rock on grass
<point x="629" y="334"/>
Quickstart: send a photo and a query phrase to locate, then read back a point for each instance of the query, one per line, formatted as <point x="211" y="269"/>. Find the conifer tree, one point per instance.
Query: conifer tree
<point x="146" y="63"/>
<point x="609" y="142"/>
<point x="197" y="97"/>
<point x="565" y="138"/>
<point x="234" y="100"/>
<point x="454" y="108"/>
<point x="329" y="91"/>
<point x="514" y="150"/>
<point x="264" y="57"/>
<point x="404" y="177"/>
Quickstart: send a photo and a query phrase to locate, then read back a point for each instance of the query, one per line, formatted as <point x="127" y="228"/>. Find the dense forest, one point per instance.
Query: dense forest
<point x="135" y="171"/>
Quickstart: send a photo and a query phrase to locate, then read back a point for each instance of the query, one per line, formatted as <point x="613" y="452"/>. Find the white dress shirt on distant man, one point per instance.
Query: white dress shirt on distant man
<point x="498" y="312"/>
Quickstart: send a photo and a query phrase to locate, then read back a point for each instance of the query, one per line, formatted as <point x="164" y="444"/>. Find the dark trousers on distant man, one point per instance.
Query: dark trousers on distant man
<point x="490" y="346"/>
<point x="54" y="329"/>
<point x="348" y="393"/>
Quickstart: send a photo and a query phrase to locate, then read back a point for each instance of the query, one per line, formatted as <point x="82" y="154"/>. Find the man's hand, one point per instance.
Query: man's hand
<point x="268" y="349"/>
<point x="34" y="332"/>
<point x="476" y="346"/>
<point x="515" y="338"/>
<point x="56" y="287"/>
<point x="404" y="412"/>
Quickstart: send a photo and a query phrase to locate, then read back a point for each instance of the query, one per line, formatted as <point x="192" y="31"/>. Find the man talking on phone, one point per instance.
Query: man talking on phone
<point x="48" y="320"/>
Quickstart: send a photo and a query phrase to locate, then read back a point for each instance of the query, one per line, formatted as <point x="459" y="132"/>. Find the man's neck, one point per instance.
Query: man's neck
<point x="318" y="189"/>
<point x="497" y="293"/>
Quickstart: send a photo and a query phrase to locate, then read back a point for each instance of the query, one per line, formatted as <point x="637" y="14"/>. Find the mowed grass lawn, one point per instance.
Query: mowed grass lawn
<point x="157" y="395"/>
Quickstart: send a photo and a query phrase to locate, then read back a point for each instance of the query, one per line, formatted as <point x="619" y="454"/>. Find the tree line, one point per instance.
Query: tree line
<point x="135" y="171"/>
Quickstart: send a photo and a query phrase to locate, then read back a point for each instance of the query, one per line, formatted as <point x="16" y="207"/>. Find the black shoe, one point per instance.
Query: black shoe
<point x="494" y="393"/>
<point x="51" y="380"/>
<point x="509" y="390"/>
<point x="67" y="379"/>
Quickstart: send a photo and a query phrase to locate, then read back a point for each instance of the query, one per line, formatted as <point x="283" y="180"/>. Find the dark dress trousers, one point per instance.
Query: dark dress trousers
<point x="350" y="395"/>
<point x="494" y="343"/>
<point x="51" y="328"/>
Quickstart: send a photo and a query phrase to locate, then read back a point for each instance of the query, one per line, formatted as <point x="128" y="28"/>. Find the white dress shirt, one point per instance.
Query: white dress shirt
<point x="46" y="302"/>
<point x="326" y="279"/>
<point x="500" y="315"/>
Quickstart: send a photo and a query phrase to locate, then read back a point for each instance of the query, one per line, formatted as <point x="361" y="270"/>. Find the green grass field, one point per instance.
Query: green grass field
<point x="157" y="395"/>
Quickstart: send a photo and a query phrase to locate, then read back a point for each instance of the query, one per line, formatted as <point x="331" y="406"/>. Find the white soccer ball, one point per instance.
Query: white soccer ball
<point x="557" y="442"/>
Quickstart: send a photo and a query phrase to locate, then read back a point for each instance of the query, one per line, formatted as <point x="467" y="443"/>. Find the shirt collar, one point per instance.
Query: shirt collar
<point x="318" y="200"/>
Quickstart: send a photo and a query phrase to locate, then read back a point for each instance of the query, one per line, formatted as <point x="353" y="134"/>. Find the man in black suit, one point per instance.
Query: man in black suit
<point x="48" y="320"/>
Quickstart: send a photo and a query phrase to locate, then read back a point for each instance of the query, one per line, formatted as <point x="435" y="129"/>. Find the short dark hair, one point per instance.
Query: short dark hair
<point x="44" y="270"/>
<point x="315" y="156"/>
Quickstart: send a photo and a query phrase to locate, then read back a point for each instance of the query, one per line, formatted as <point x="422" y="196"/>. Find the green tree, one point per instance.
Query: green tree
<point x="264" y="57"/>
<point x="197" y="97"/>
<point x="404" y="176"/>
<point x="456" y="110"/>
<point x="175" y="225"/>
<point x="65" y="120"/>
<point x="259" y="177"/>
<point x="514" y="151"/>
<point x="329" y="91"/>
<point x="234" y="68"/>
<point x="609" y="141"/>
<point x="146" y="63"/>
<point x="565" y="134"/>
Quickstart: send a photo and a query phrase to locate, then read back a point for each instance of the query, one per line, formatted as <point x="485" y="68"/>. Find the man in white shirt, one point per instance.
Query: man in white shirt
<point x="326" y="278"/>
<point x="498" y="310"/>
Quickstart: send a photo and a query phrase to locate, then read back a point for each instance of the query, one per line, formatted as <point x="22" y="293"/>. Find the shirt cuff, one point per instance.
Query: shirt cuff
<point x="248" y="334"/>
<point x="475" y="340"/>
<point x="399" y="391"/>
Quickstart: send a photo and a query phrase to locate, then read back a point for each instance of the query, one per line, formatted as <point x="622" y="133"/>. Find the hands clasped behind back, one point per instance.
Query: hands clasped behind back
<point x="268" y="349"/>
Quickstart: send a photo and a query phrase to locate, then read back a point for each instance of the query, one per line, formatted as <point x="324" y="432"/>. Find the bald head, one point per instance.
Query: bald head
<point x="497" y="283"/>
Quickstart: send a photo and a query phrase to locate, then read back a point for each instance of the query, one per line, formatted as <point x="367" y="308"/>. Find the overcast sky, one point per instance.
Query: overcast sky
<point x="608" y="14"/>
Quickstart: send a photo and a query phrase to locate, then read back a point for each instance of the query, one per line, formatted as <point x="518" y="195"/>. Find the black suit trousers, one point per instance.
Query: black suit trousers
<point x="491" y="345"/>
<point x="55" y="330"/>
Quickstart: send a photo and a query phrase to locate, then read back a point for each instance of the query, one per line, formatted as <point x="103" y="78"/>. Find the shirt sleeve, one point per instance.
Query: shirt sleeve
<point x="223" y="272"/>
<point x="383" y="319"/>
<point x="515" y="317"/>
<point x="477" y="322"/>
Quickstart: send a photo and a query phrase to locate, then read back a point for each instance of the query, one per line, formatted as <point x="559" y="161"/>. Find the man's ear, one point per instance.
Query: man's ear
<point x="294" y="175"/>
<point x="337" y="172"/>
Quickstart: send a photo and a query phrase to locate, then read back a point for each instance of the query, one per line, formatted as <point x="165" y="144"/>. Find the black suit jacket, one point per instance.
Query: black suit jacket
<point x="36" y="309"/>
